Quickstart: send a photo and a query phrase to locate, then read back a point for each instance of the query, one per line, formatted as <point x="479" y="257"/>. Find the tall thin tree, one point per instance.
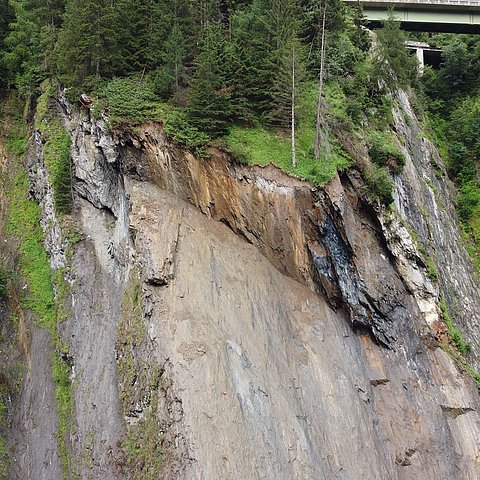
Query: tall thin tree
<point x="294" y="152"/>
<point x="320" y="134"/>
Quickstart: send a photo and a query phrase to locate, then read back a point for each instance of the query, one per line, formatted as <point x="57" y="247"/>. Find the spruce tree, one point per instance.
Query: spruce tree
<point x="210" y="93"/>
<point x="287" y="90"/>
<point x="393" y="63"/>
<point x="6" y="16"/>
<point x="252" y="70"/>
<point x="287" y="86"/>
<point x="88" y="43"/>
<point x="22" y="53"/>
<point x="141" y="28"/>
<point x="170" y="77"/>
<point x="31" y="40"/>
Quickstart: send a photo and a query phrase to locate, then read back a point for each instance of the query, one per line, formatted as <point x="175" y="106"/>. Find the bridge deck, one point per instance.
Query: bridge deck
<point x="458" y="16"/>
<point x="461" y="5"/>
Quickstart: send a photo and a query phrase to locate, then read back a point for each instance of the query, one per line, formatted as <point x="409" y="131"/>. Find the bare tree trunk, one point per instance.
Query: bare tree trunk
<point x="294" y="153"/>
<point x="319" y="122"/>
<point x="177" y="83"/>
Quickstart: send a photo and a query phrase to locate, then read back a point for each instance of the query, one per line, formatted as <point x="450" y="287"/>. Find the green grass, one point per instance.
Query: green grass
<point x="260" y="146"/>
<point x="23" y="222"/>
<point x="130" y="335"/>
<point x="64" y="396"/>
<point x="142" y="448"/>
<point x="432" y="272"/>
<point x="130" y="102"/>
<point x="138" y="381"/>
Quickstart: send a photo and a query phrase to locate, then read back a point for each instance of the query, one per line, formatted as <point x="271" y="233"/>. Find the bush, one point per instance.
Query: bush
<point x="379" y="184"/>
<point x="129" y="100"/>
<point x="468" y="200"/>
<point x="342" y="57"/>
<point x="178" y="127"/>
<point x="384" y="152"/>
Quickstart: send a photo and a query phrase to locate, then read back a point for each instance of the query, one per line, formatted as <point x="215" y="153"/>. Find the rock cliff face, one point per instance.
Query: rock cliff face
<point x="230" y="322"/>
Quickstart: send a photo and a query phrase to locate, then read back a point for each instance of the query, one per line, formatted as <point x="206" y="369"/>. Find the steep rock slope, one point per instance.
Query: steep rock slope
<point x="232" y="322"/>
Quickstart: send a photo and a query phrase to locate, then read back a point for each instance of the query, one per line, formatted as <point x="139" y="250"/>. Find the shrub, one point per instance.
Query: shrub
<point x="128" y="100"/>
<point x="468" y="200"/>
<point x="342" y="56"/>
<point x="384" y="152"/>
<point x="432" y="272"/>
<point x="379" y="184"/>
<point x="178" y="127"/>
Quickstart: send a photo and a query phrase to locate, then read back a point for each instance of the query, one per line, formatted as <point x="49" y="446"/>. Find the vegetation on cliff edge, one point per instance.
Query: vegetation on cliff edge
<point x="251" y="72"/>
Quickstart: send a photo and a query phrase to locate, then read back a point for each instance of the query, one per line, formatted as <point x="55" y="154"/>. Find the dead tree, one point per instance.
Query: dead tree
<point x="321" y="137"/>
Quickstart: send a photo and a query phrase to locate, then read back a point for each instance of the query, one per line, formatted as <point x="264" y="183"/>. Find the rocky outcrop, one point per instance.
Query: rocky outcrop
<point x="309" y="234"/>
<point x="241" y="324"/>
<point x="425" y="198"/>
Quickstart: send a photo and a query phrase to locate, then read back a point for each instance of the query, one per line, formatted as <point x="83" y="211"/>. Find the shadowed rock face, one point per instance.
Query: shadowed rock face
<point x="271" y="329"/>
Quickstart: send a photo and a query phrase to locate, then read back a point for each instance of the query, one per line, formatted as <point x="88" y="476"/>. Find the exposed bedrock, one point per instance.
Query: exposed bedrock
<point x="291" y="326"/>
<point x="250" y="326"/>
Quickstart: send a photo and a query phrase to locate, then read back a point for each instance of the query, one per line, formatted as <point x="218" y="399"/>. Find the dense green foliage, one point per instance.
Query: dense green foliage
<point x="244" y="70"/>
<point x="261" y="146"/>
<point x="392" y="51"/>
<point x="384" y="152"/>
<point x="128" y="100"/>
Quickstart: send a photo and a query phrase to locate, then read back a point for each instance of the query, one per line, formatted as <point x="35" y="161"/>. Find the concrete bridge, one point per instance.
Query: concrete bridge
<point x="454" y="16"/>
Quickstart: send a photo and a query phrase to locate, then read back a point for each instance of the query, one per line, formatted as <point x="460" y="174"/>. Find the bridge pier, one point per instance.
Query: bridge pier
<point x="421" y="59"/>
<point x="426" y="55"/>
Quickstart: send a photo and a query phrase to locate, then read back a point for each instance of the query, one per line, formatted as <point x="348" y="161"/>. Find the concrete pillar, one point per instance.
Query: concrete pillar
<point x="421" y="62"/>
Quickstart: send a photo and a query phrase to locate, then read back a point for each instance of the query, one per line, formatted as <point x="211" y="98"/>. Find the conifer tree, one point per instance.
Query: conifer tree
<point x="30" y="43"/>
<point x="210" y="93"/>
<point x="287" y="90"/>
<point x="321" y="136"/>
<point x="141" y="28"/>
<point x="171" y="75"/>
<point x="88" y="43"/>
<point x="205" y="12"/>
<point x="392" y="62"/>
<point x="252" y="69"/>
<point x="6" y="16"/>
